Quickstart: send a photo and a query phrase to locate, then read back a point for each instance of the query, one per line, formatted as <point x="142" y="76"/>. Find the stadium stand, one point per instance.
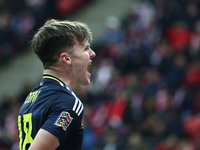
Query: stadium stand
<point x="144" y="92"/>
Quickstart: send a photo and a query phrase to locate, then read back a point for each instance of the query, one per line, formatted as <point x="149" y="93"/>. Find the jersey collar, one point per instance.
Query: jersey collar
<point x="46" y="76"/>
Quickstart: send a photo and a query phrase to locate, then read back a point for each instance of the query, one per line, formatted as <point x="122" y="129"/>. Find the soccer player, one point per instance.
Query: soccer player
<point x="51" y="116"/>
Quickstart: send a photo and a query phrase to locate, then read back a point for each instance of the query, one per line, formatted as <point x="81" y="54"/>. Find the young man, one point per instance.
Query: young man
<point x="51" y="116"/>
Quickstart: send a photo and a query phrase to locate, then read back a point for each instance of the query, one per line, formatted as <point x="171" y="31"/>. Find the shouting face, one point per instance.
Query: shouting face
<point x="81" y="58"/>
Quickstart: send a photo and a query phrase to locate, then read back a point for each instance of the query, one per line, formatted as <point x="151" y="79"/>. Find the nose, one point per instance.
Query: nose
<point x="92" y="54"/>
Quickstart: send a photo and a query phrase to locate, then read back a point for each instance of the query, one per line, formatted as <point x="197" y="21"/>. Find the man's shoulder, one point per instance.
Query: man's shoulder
<point x="53" y="90"/>
<point x="50" y="95"/>
<point x="71" y="101"/>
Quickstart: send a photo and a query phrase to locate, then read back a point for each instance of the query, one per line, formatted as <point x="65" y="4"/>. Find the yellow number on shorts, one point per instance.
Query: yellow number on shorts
<point x="27" y="119"/>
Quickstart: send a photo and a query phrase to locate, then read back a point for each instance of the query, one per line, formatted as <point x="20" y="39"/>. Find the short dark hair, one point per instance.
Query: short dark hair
<point x="56" y="37"/>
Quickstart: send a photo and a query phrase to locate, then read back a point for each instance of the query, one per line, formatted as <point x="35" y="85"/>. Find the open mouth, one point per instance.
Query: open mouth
<point x="89" y="68"/>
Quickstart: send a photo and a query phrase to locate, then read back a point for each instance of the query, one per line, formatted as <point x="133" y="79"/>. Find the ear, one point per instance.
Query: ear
<point x="65" y="58"/>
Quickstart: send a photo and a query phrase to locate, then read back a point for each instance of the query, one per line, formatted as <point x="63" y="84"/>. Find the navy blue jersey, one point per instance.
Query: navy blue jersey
<point x="53" y="107"/>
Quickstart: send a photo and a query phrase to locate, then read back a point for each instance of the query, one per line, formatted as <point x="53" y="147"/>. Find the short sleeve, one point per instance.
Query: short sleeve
<point x="61" y="119"/>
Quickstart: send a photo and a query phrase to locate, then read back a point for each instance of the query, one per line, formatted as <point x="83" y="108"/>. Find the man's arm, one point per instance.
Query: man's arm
<point x="44" y="140"/>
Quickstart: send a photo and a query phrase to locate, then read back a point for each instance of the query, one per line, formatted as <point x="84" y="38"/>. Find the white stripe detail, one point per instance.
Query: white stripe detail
<point x="78" y="107"/>
<point x="61" y="84"/>
<point x="80" y="110"/>
<point x="68" y="88"/>
<point x="75" y="104"/>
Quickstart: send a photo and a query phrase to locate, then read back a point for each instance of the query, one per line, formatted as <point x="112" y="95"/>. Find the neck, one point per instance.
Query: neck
<point x="62" y="76"/>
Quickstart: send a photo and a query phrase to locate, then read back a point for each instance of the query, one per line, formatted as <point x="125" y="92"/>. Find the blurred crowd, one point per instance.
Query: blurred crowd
<point x="19" y="18"/>
<point x="144" y="92"/>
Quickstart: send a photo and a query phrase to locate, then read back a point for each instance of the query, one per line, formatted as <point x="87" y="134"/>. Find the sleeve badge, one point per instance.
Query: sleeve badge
<point x="64" y="120"/>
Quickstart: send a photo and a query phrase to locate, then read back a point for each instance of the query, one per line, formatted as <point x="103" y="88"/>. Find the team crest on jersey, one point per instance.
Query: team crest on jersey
<point x="64" y="120"/>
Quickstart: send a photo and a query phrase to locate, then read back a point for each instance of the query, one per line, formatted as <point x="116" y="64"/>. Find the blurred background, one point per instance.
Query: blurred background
<point x="145" y="85"/>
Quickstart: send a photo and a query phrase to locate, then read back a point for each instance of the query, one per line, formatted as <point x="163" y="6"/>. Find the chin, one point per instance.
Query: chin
<point x="87" y="82"/>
